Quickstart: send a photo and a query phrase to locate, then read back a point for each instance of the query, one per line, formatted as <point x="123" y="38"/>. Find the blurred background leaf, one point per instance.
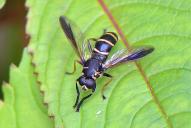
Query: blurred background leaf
<point x="12" y="36"/>
<point x="2" y="2"/>
<point x="23" y="104"/>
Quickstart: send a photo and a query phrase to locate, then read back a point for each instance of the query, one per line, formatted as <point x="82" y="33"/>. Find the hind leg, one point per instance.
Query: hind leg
<point x="106" y="84"/>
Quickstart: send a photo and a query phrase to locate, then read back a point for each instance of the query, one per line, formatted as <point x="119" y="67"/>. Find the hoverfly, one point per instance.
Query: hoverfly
<point x="96" y="65"/>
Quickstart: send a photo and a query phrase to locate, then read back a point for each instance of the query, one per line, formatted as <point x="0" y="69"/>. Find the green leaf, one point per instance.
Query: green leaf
<point x="2" y="2"/>
<point x="154" y="93"/>
<point x="22" y="106"/>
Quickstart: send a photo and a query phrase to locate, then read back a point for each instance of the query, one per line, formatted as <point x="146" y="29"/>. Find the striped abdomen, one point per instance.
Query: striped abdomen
<point x="104" y="44"/>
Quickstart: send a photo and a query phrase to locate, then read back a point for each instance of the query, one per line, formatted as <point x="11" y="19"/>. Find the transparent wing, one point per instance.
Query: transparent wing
<point x="76" y="38"/>
<point x="124" y="56"/>
<point x="87" y="49"/>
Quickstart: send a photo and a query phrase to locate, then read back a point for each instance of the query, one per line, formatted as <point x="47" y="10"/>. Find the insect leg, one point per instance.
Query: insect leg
<point x="92" y="39"/>
<point x="78" y="95"/>
<point x="74" y="69"/>
<point x="82" y="100"/>
<point x="106" y="84"/>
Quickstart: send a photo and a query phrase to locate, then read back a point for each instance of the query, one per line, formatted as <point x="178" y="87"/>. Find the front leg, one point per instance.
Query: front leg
<point x="78" y="94"/>
<point x="82" y="100"/>
<point x="74" y="69"/>
<point x="106" y="84"/>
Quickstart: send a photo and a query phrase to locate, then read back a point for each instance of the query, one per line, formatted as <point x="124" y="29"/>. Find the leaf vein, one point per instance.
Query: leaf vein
<point x="139" y="67"/>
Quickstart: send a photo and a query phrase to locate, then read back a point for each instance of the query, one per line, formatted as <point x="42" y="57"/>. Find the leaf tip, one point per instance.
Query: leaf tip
<point x="13" y="66"/>
<point x="39" y="82"/>
<point x="35" y="74"/>
<point x="51" y="116"/>
<point x="2" y="3"/>
<point x="45" y="104"/>
<point x="5" y="83"/>
<point x="30" y="51"/>
<point x="33" y="64"/>
<point x="1" y="103"/>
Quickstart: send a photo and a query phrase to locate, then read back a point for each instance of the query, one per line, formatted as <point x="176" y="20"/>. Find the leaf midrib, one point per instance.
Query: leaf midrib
<point x="139" y="67"/>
